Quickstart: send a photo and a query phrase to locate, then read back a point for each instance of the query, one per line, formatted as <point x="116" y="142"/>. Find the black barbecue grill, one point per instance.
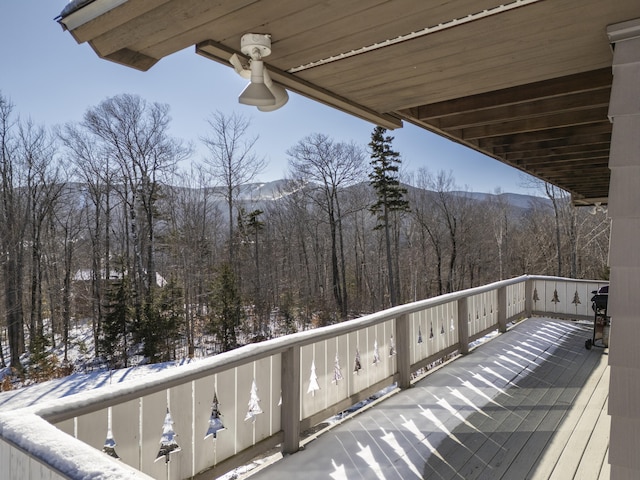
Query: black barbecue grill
<point x="601" y="321"/>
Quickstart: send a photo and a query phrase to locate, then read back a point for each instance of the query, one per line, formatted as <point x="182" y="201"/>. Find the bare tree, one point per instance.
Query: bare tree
<point x="65" y="231"/>
<point x="296" y="270"/>
<point x="96" y="177"/>
<point x="444" y="219"/>
<point x="594" y="228"/>
<point x="563" y="219"/>
<point x="191" y="240"/>
<point x="232" y="161"/>
<point x="14" y="218"/>
<point x="135" y="135"/>
<point x="326" y="167"/>
<point x="432" y="231"/>
<point x="499" y="214"/>
<point x="44" y="187"/>
<point x="558" y="199"/>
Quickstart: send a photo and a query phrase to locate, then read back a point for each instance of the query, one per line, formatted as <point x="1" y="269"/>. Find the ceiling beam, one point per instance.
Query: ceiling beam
<point x="560" y="134"/>
<point x="574" y="143"/>
<point x="512" y="112"/>
<point x="537" y="124"/>
<point x="582" y="82"/>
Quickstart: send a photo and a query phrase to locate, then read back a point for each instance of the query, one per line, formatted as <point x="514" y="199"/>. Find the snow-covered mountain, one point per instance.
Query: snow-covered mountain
<point x="516" y="200"/>
<point x="274" y="190"/>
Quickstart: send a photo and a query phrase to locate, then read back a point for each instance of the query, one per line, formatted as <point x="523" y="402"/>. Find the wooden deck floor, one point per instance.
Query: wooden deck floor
<point x="530" y="404"/>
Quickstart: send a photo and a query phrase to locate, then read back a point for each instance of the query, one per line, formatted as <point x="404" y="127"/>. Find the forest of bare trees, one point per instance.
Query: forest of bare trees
<point x="102" y="223"/>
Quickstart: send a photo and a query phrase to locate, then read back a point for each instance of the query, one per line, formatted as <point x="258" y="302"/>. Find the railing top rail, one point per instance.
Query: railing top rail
<point x="563" y="279"/>
<point x="58" y="452"/>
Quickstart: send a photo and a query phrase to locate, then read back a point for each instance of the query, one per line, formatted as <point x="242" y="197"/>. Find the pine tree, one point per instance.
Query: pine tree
<point x="42" y="363"/>
<point x="116" y="328"/>
<point x="171" y="321"/>
<point x="148" y="331"/>
<point x="162" y="322"/>
<point x="384" y="180"/>
<point x="226" y="308"/>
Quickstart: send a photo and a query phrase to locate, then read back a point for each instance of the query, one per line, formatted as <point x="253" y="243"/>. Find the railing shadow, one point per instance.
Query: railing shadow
<point x="507" y="436"/>
<point x="489" y="414"/>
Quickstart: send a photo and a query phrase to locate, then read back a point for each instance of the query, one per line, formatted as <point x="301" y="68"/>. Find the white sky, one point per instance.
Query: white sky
<point x="53" y="80"/>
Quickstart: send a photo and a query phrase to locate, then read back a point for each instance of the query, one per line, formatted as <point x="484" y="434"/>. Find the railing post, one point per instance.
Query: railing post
<point x="463" y="325"/>
<point x="403" y="349"/>
<point x="502" y="309"/>
<point x="528" y="297"/>
<point x="291" y="400"/>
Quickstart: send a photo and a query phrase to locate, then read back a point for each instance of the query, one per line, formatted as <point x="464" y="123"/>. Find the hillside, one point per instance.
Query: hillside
<point x="277" y="189"/>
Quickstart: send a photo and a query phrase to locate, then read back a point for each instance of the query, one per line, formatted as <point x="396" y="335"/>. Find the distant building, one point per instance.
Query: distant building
<point x="83" y="294"/>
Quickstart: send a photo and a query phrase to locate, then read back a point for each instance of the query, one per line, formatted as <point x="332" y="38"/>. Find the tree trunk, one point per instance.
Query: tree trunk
<point x="343" y="263"/>
<point x="387" y="238"/>
<point x="335" y="273"/>
<point x="13" y="305"/>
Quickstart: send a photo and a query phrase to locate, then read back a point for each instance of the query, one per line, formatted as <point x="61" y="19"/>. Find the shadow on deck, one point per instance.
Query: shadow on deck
<point x="530" y="404"/>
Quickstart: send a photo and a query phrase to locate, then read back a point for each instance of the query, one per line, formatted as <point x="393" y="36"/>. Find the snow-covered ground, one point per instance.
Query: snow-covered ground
<point x="76" y="383"/>
<point x="87" y="375"/>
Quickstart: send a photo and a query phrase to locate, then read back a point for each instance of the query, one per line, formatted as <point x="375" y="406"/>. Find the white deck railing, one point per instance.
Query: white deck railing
<point x="295" y="382"/>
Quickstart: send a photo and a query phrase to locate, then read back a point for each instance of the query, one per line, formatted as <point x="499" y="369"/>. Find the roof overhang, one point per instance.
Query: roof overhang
<point x="526" y="82"/>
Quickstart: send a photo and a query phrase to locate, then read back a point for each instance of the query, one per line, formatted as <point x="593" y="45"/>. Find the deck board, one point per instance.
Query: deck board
<point x="584" y="437"/>
<point x="529" y="404"/>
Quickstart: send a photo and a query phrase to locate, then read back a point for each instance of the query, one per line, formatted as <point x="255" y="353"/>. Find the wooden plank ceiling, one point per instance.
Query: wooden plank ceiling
<point x="526" y="82"/>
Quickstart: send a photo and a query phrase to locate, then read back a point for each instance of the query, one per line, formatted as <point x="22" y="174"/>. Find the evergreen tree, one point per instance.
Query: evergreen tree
<point x="43" y="364"/>
<point x="116" y="326"/>
<point x="390" y="194"/>
<point x="226" y="308"/>
<point x="147" y="331"/>
<point x="171" y="320"/>
<point x="162" y="324"/>
<point x="249" y="228"/>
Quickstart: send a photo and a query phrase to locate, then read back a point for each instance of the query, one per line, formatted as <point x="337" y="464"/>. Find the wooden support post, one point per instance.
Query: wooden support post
<point x="403" y="348"/>
<point x="291" y="400"/>
<point x="502" y="309"/>
<point x="463" y="325"/>
<point x="528" y="297"/>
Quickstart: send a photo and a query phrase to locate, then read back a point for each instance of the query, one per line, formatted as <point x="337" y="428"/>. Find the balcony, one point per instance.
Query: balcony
<point x="524" y="405"/>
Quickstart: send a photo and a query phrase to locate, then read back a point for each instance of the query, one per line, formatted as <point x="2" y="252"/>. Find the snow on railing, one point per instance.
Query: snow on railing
<point x="218" y="413"/>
